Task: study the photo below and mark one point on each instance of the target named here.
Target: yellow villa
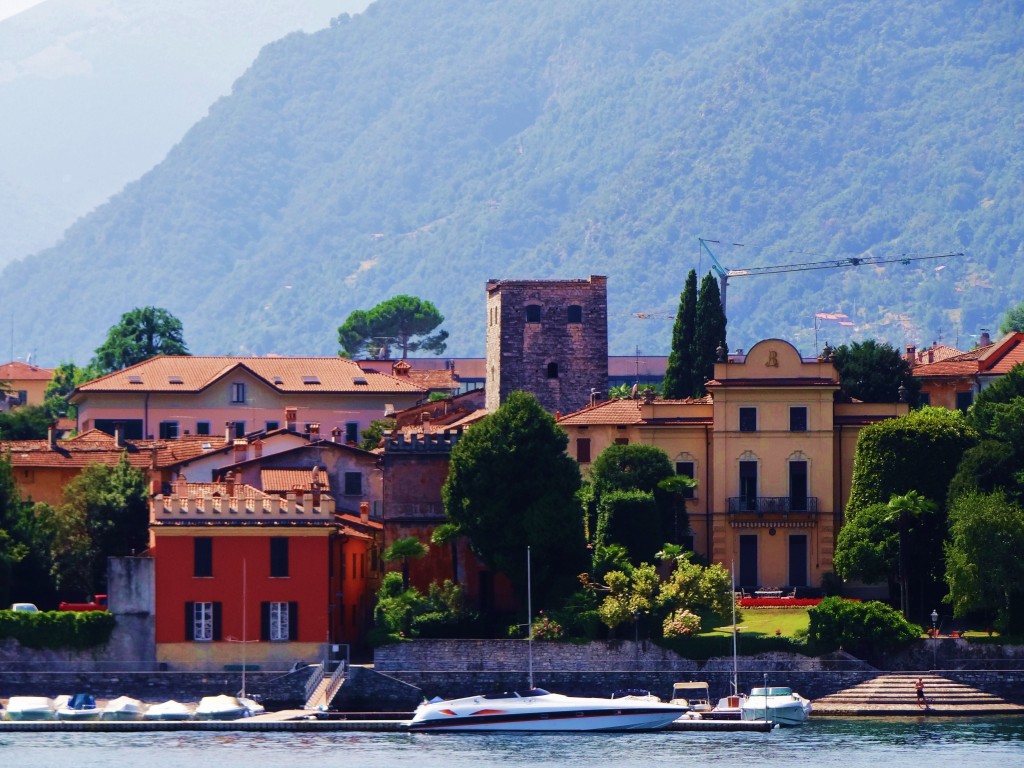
(771, 448)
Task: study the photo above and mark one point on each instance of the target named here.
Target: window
(202, 622)
(583, 450)
(131, 429)
(279, 621)
(239, 429)
(238, 392)
(202, 427)
(798, 418)
(168, 430)
(352, 432)
(622, 441)
(533, 313)
(924, 398)
(278, 557)
(574, 314)
(272, 425)
(687, 469)
(748, 419)
(798, 486)
(353, 484)
(202, 550)
(748, 485)
(964, 400)
(552, 370)
(312, 379)
(22, 397)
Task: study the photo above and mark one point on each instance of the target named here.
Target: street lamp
(935, 637)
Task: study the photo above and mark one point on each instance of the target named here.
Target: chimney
(257, 448)
(229, 481)
(119, 434)
(241, 450)
(594, 397)
(911, 356)
(180, 486)
(314, 431)
(364, 511)
(931, 355)
(984, 340)
(51, 435)
(336, 435)
(229, 431)
(291, 415)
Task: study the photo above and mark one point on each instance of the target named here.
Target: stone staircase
(895, 695)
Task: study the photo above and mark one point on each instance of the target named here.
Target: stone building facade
(549, 338)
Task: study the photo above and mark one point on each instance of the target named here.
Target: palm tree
(405, 550)
(906, 509)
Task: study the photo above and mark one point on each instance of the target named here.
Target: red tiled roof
(18, 371)
(627, 412)
(285, 374)
(946, 368)
(95, 447)
(284, 480)
(1006, 353)
(773, 383)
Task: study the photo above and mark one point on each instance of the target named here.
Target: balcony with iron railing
(773, 505)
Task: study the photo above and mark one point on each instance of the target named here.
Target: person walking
(919, 688)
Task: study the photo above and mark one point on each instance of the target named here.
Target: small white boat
(776, 704)
(539, 710)
(254, 707)
(168, 710)
(30, 708)
(222, 707)
(123, 708)
(696, 697)
(81, 706)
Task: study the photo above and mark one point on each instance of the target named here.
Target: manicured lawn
(765, 621)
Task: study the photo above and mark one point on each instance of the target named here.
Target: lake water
(851, 743)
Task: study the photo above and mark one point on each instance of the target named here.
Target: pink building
(171, 396)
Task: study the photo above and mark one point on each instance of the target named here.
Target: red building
(243, 576)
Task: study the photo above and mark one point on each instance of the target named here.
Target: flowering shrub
(680, 624)
(546, 628)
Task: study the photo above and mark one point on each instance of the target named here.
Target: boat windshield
(771, 692)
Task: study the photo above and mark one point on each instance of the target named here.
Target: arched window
(574, 314)
(533, 313)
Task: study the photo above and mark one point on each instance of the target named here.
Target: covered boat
(123, 708)
(30, 708)
(538, 710)
(81, 706)
(776, 704)
(222, 707)
(168, 710)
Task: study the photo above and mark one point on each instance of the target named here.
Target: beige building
(771, 448)
(26, 384)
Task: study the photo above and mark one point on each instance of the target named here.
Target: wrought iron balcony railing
(773, 505)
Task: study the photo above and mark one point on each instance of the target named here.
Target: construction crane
(852, 261)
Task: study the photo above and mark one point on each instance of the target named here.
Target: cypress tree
(678, 381)
(708, 333)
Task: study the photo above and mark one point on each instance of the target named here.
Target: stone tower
(549, 338)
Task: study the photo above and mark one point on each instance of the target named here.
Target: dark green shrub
(57, 629)
(868, 630)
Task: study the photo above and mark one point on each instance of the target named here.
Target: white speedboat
(538, 710)
(222, 707)
(168, 710)
(30, 708)
(123, 708)
(81, 706)
(777, 705)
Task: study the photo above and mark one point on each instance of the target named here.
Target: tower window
(552, 370)
(533, 313)
(574, 313)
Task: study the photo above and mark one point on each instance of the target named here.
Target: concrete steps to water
(895, 695)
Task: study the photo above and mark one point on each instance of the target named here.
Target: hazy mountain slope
(423, 147)
(94, 93)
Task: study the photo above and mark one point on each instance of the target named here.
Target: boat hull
(547, 712)
(791, 711)
(30, 708)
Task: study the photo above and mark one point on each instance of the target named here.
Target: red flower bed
(783, 602)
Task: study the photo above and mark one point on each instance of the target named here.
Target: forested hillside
(423, 147)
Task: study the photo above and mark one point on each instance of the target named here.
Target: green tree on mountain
(1014, 319)
(679, 374)
(140, 334)
(395, 322)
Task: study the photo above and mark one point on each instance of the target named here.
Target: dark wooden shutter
(190, 621)
(264, 621)
(293, 621)
(216, 621)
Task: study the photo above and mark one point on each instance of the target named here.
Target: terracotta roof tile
(946, 368)
(1007, 352)
(284, 480)
(95, 447)
(627, 412)
(285, 374)
(18, 371)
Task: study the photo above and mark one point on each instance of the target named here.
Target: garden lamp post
(935, 637)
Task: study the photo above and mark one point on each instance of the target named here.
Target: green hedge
(57, 629)
(704, 647)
